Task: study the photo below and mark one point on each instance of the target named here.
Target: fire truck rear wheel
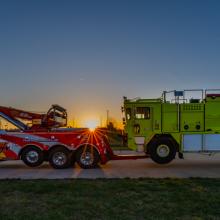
(32, 156)
(60, 158)
(87, 157)
(162, 151)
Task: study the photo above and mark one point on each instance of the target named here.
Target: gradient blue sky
(86, 55)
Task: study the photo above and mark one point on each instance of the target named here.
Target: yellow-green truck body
(190, 125)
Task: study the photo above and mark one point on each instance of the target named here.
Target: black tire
(162, 151)
(92, 159)
(32, 156)
(60, 158)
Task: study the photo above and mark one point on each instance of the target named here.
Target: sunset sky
(87, 55)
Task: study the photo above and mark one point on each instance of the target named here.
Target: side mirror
(124, 121)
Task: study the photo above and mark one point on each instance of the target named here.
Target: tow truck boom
(55, 117)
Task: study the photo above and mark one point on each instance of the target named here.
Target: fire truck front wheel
(162, 151)
(87, 157)
(32, 156)
(60, 158)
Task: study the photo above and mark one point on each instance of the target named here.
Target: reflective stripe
(29, 137)
(34, 138)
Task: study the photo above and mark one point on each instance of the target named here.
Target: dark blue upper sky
(86, 55)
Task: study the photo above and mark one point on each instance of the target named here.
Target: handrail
(177, 99)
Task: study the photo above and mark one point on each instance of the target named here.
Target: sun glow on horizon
(92, 124)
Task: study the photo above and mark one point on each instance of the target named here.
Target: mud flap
(2, 156)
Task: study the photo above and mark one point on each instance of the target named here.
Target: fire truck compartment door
(201, 142)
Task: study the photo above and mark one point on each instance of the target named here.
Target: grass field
(110, 199)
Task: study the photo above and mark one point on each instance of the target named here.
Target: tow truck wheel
(87, 157)
(60, 158)
(32, 156)
(162, 151)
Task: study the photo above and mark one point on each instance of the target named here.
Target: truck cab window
(128, 113)
(142, 113)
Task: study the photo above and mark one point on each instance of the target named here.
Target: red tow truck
(45, 137)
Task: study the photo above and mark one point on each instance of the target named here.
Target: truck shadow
(98, 172)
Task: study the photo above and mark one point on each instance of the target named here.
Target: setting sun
(91, 124)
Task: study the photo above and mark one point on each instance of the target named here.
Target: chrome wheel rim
(163, 150)
(59, 158)
(86, 159)
(32, 156)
